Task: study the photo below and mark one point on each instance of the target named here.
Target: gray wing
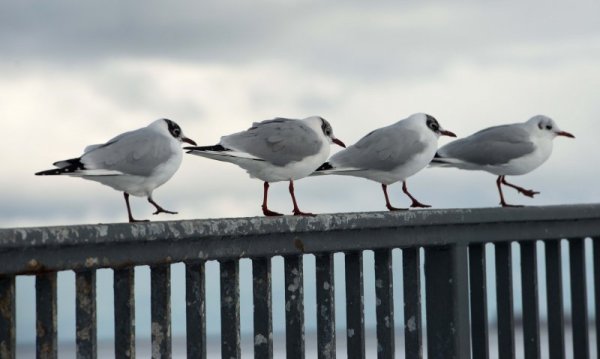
(492, 146)
(278, 141)
(383, 149)
(137, 153)
(116, 138)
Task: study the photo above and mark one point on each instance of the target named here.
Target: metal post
(7, 317)
(413, 327)
(479, 317)
(45, 289)
(446, 283)
(124, 299)
(160, 278)
(325, 306)
(230, 309)
(195, 309)
(263, 317)
(355, 321)
(384, 293)
(87, 345)
(294, 307)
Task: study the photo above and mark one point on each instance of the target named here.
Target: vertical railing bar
(160, 293)
(554, 297)
(596, 257)
(8, 324)
(263, 317)
(478, 290)
(579, 312)
(531, 316)
(325, 283)
(504, 298)
(230, 309)
(45, 288)
(124, 299)
(195, 304)
(294, 307)
(86, 333)
(447, 302)
(411, 276)
(355, 323)
(384, 306)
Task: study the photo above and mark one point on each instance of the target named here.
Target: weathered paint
(326, 306)
(294, 306)
(195, 309)
(230, 309)
(46, 341)
(86, 336)
(43, 251)
(7, 317)
(35, 250)
(124, 304)
(160, 287)
(263, 317)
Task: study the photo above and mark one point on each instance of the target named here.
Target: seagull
(275, 150)
(135, 162)
(506, 150)
(390, 154)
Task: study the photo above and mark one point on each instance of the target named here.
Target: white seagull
(390, 154)
(135, 162)
(276, 150)
(506, 150)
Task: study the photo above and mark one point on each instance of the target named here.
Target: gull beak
(338, 142)
(565, 133)
(447, 133)
(187, 140)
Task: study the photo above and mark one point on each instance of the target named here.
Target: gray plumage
(134, 153)
(492, 146)
(383, 149)
(278, 141)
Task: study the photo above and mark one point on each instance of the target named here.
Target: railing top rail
(110, 245)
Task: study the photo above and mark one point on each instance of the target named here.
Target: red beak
(338, 142)
(447, 133)
(565, 133)
(191, 142)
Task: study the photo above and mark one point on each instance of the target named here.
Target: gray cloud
(357, 39)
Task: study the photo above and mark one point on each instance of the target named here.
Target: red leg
(526, 192)
(265, 209)
(297, 211)
(503, 203)
(415, 203)
(159, 209)
(131, 219)
(387, 200)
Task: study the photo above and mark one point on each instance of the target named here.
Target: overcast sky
(76, 73)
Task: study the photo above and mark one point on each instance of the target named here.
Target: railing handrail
(35, 249)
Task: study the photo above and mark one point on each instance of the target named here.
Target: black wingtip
(325, 166)
(216, 148)
(64, 167)
(55, 171)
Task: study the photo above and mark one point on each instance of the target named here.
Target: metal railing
(453, 242)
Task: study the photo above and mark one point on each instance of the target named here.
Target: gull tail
(220, 153)
(215, 148)
(439, 161)
(323, 169)
(64, 168)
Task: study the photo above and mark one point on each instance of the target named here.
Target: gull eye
(176, 132)
(548, 127)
